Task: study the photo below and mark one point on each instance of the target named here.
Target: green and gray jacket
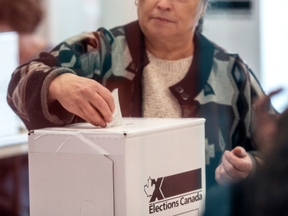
(219, 86)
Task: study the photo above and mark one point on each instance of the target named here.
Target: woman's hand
(236, 165)
(84, 97)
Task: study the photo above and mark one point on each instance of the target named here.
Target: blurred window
(8, 61)
(274, 46)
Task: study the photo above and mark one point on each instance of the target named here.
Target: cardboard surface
(145, 167)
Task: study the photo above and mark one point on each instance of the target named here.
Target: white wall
(118, 12)
(274, 44)
(66, 18)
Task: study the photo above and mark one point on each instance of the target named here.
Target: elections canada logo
(173, 191)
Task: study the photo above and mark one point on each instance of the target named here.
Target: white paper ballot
(117, 115)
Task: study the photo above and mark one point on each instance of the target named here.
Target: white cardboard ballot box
(145, 167)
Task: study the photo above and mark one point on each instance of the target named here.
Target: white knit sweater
(158, 76)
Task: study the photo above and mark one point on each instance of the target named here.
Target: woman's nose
(164, 5)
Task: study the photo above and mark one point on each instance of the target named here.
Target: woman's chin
(159, 33)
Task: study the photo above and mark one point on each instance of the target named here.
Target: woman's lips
(162, 20)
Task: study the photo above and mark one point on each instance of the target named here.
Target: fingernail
(110, 119)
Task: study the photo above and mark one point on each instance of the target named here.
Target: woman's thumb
(239, 152)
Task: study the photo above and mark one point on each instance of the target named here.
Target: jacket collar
(199, 71)
(136, 44)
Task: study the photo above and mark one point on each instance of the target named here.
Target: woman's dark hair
(23, 16)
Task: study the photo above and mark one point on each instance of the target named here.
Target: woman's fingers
(107, 96)
(236, 165)
(81, 114)
(92, 117)
(101, 105)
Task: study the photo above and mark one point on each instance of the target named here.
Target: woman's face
(164, 19)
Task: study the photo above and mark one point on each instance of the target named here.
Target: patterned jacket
(219, 86)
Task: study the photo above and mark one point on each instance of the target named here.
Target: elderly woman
(163, 67)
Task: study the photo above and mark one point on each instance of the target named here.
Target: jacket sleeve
(28, 88)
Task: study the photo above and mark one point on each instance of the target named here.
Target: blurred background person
(266, 192)
(23, 17)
